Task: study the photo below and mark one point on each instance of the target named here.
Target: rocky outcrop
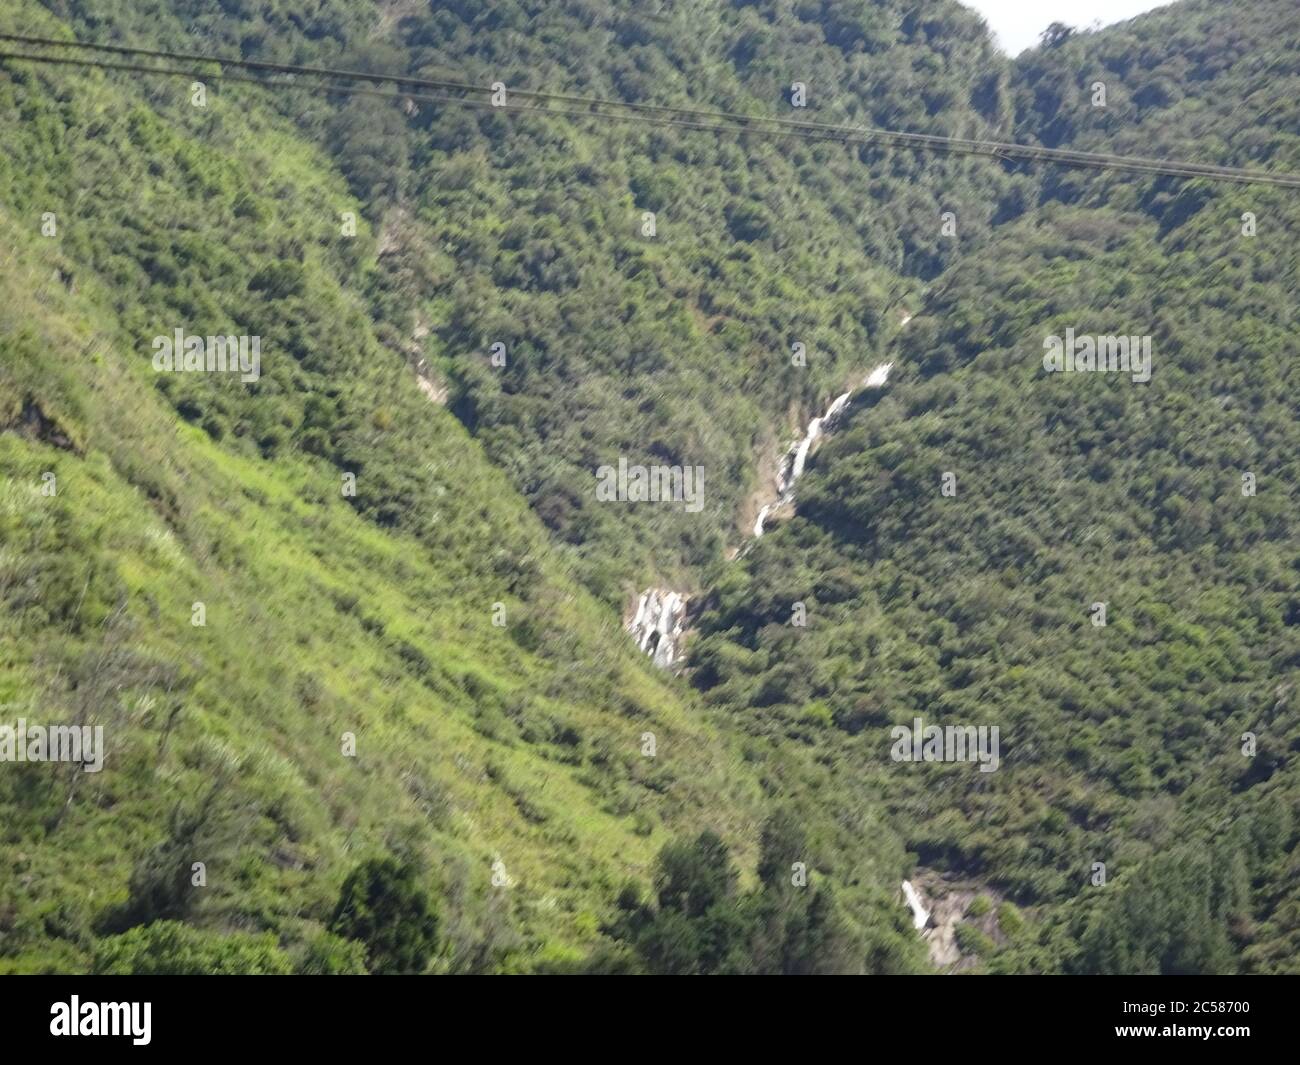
(939, 905)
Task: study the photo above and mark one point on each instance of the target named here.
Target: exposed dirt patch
(435, 392)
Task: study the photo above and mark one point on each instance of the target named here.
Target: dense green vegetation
(699, 923)
(383, 906)
(1120, 744)
(528, 232)
(504, 763)
(500, 812)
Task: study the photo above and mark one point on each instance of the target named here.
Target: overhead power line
(344, 81)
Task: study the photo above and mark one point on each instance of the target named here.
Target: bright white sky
(1017, 23)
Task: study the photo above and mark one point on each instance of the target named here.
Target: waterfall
(796, 457)
(920, 918)
(658, 624)
(659, 621)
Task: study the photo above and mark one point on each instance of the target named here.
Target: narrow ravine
(658, 625)
(792, 465)
(659, 621)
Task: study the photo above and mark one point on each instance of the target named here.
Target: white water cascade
(793, 463)
(658, 624)
(920, 917)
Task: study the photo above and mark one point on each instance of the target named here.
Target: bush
(972, 941)
(170, 948)
(382, 905)
(331, 955)
(1010, 921)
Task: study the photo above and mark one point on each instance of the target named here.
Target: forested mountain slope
(1173, 502)
(531, 795)
(196, 577)
(528, 232)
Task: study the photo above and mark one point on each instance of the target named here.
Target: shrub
(383, 906)
(170, 948)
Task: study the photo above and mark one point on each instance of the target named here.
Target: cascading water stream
(792, 465)
(658, 624)
(660, 618)
(920, 916)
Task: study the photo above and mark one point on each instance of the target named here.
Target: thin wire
(689, 118)
(977, 147)
(692, 113)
